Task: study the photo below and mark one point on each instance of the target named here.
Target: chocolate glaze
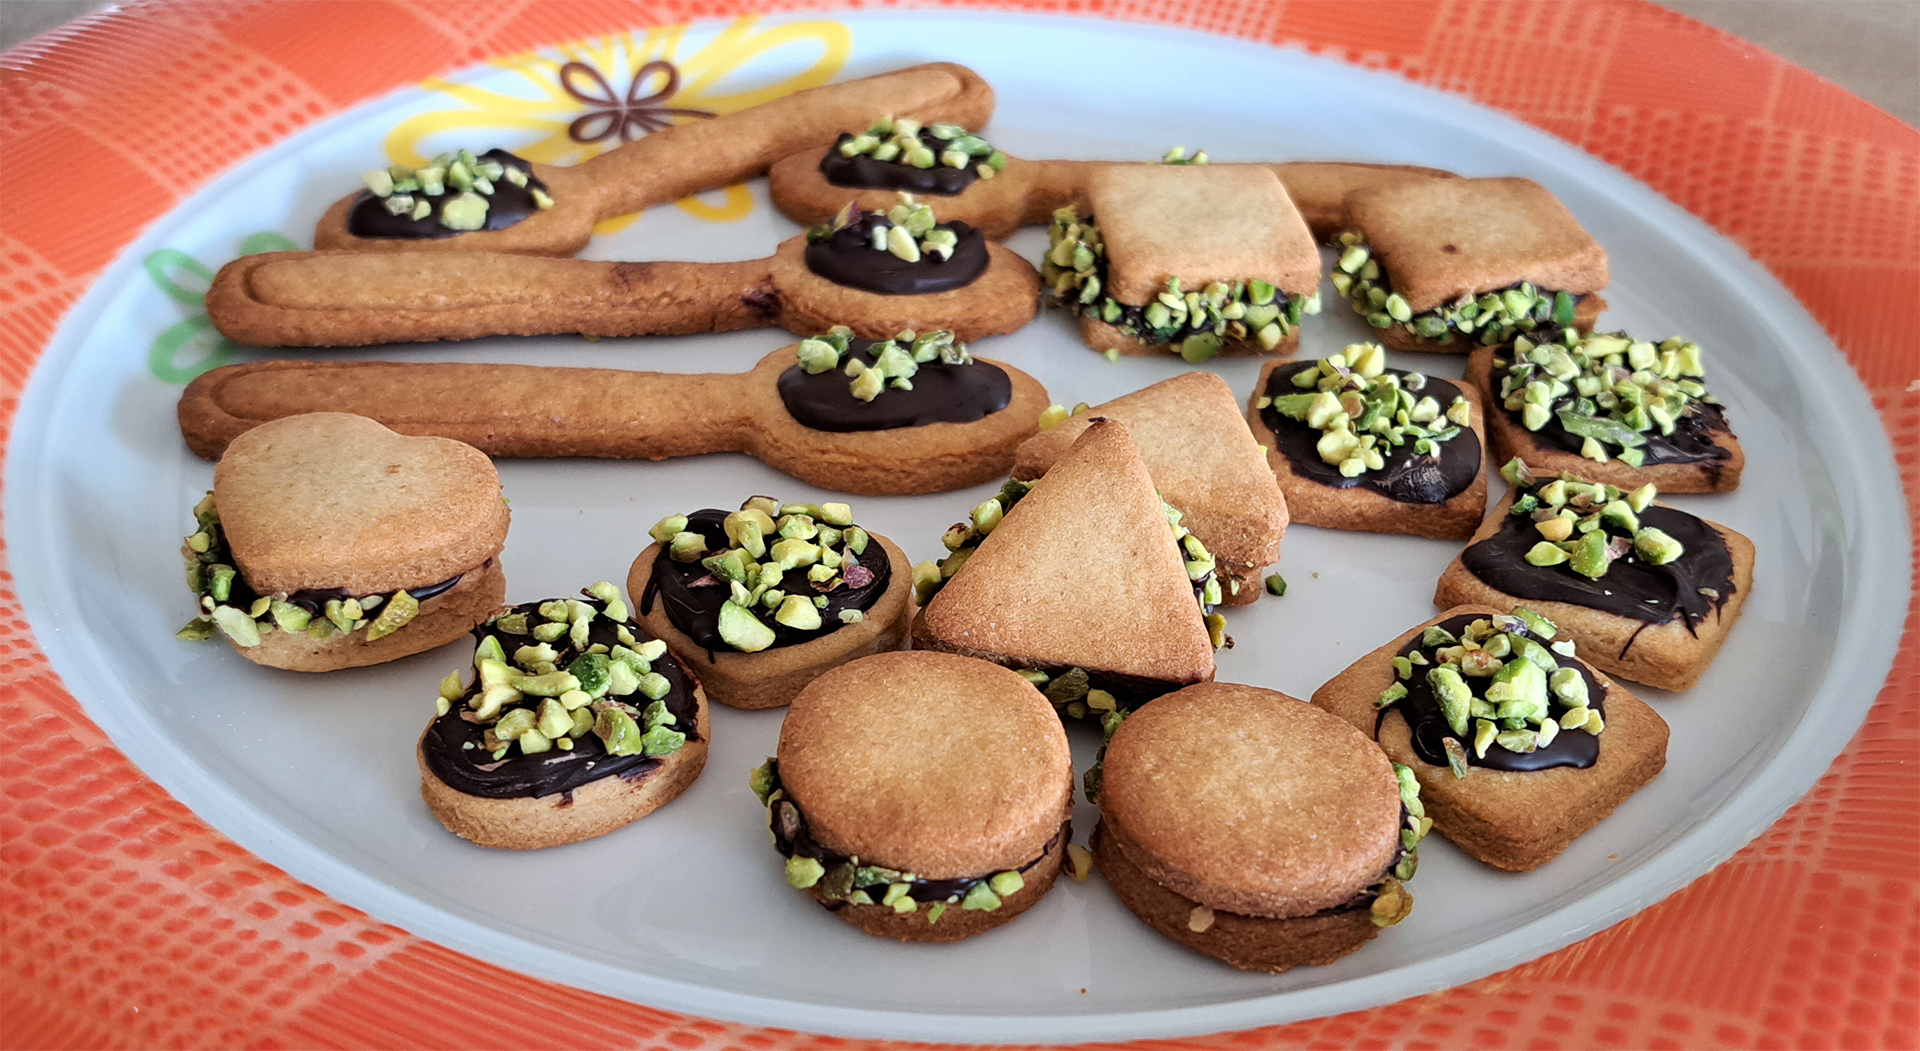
(1630, 588)
(863, 172)
(507, 205)
(1692, 440)
(695, 611)
(791, 838)
(313, 600)
(941, 393)
(848, 258)
(1428, 724)
(1408, 477)
(475, 772)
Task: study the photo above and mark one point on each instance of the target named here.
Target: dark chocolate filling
(864, 172)
(791, 838)
(507, 205)
(1692, 440)
(1428, 724)
(453, 750)
(941, 393)
(1630, 587)
(848, 258)
(695, 610)
(313, 600)
(1408, 477)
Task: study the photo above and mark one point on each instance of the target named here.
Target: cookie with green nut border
(919, 796)
(1649, 591)
(762, 600)
(1447, 265)
(1195, 260)
(1514, 791)
(1254, 828)
(570, 723)
(1356, 445)
(1609, 408)
(329, 541)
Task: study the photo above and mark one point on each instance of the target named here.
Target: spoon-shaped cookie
(664, 166)
(957, 426)
(971, 181)
(870, 274)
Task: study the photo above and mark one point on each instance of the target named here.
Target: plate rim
(1873, 515)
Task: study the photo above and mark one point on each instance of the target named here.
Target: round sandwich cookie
(1254, 827)
(761, 600)
(575, 723)
(904, 827)
(329, 541)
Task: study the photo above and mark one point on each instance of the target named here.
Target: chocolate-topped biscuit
(1085, 581)
(1196, 260)
(1648, 590)
(1253, 827)
(904, 827)
(1609, 408)
(1519, 746)
(575, 723)
(1357, 445)
(1204, 462)
(330, 542)
(761, 600)
(904, 251)
(1451, 264)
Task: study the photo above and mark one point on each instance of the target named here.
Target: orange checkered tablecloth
(128, 922)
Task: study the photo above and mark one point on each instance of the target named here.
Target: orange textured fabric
(128, 922)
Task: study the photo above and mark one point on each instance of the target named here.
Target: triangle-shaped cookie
(1203, 459)
(1083, 572)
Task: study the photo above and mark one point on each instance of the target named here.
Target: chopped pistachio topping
(461, 179)
(1488, 318)
(1363, 411)
(1605, 388)
(910, 231)
(767, 541)
(898, 140)
(1587, 525)
(548, 695)
(896, 361)
(1194, 324)
(1179, 155)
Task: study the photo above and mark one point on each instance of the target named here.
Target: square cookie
(1511, 800)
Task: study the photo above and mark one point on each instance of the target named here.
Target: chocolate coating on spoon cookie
(849, 258)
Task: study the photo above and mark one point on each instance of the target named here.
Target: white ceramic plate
(687, 910)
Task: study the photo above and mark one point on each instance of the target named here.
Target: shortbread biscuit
(1204, 461)
(1319, 188)
(901, 826)
(774, 651)
(685, 158)
(549, 411)
(494, 768)
(1667, 644)
(1253, 827)
(1441, 493)
(329, 541)
(1521, 812)
(1700, 456)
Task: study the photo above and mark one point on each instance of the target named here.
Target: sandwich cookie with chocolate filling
(329, 541)
(1519, 746)
(1447, 265)
(1254, 827)
(903, 827)
(997, 193)
(1190, 260)
(497, 202)
(1204, 461)
(877, 273)
(575, 723)
(1611, 409)
(915, 413)
(1357, 445)
(1085, 581)
(1649, 591)
(759, 602)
